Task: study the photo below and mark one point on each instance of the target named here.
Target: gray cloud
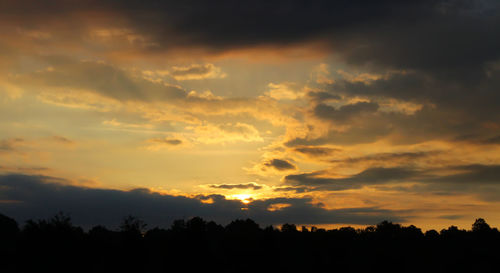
(323, 96)
(480, 180)
(492, 140)
(167, 141)
(291, 189)
(9, 145)
(252, 186)
(345, 112)
(197, 72)
(102, 78)
(371, 176)
(387, 158)
(446, 51)
(429, 34)
(472, 175)
(443, 101)
(316, 151)
(280, 164)
(25, 196)
(369, 130)
(62, 140)
(451, 217)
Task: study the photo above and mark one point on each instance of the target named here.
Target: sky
(309, 112)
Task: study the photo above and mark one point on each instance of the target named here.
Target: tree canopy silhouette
(56, 245)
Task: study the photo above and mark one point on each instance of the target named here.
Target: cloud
(492, 140)
(115, 123)
(372, 176)
(161, 143)
(169, 141)
(316, 151)
(99, 86)
(280, 164)
(345, 112)
(426, 31)
(100, 78)
(283, 91)
(322, 96)
(451, 217)
(475, 174)
(197, 72)
(424, 34)
(387, 158)
(482, 181)
(226, 132)
(42, 197)
(62, 140)
(252, 186)
(10, 144)
(291, 189)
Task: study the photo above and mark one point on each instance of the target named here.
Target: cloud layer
(341, 102)
(25, 196)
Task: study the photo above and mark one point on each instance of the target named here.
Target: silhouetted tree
(431, 234)
(196, 225)
(288, 228)
(480, 226)
(247, 226)
(8, 227)
(132, 225)
(178, 226)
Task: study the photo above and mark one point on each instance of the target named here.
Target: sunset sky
(309, 112)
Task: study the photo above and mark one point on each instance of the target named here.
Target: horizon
(132, 223)
(319, 113)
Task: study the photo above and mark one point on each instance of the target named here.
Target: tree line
(196, 245)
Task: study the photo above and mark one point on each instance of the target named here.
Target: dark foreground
(55, 245)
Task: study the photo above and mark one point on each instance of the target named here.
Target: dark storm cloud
(429, 34)
(252, 186)
(24, 197)
(280, 164)
(419, 34)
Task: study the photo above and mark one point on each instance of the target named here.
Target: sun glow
(243, 197)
